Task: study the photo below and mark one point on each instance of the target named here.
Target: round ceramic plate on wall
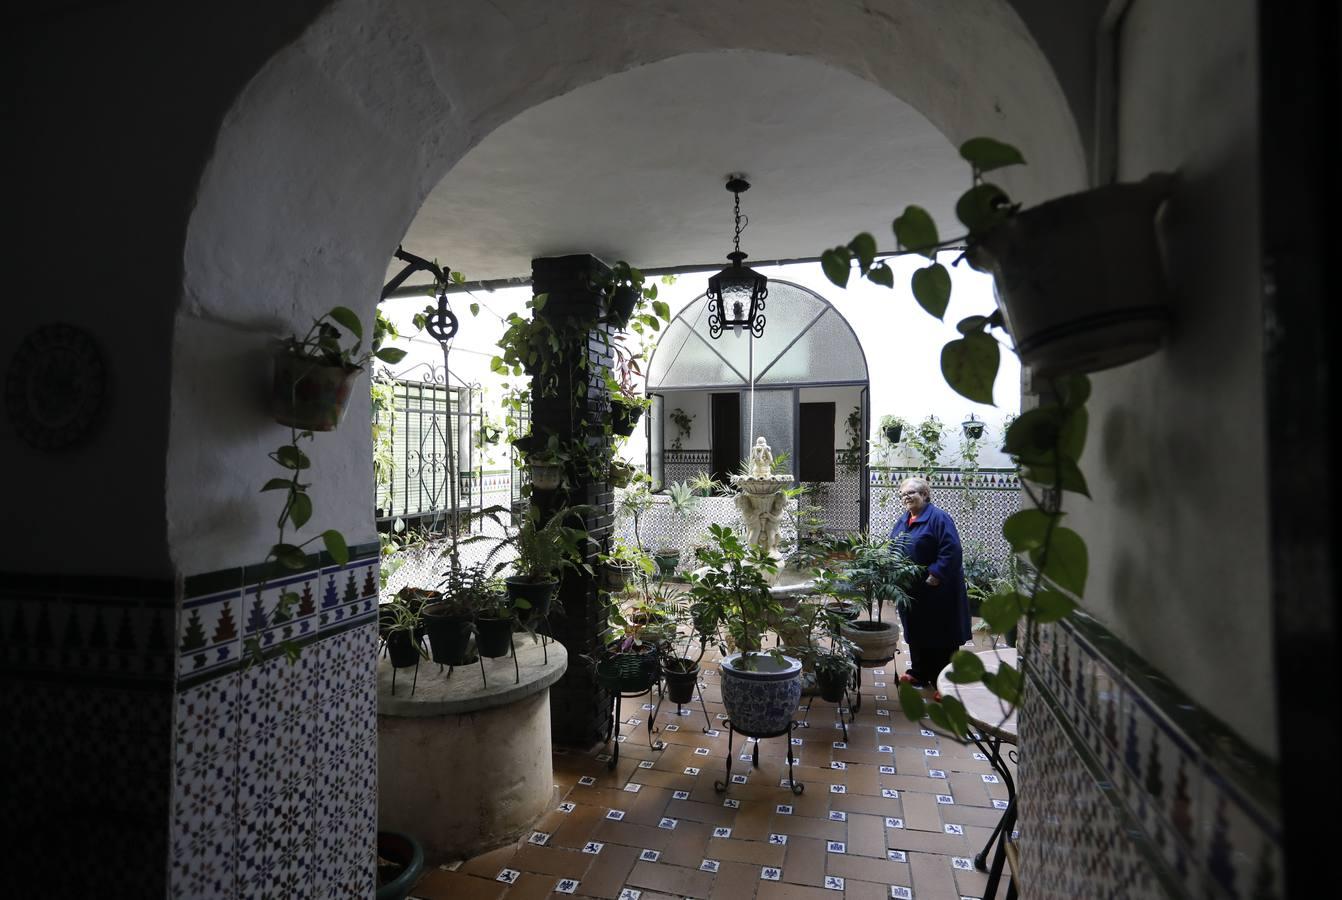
(56, 387)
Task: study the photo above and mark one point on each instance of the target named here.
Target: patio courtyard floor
(899, 810)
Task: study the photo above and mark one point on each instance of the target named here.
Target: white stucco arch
(328, 152)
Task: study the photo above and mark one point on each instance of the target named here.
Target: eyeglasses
(910, 493)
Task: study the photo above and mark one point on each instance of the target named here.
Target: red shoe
(907, 678)
(936, 696)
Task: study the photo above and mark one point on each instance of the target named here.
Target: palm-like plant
(881, 571)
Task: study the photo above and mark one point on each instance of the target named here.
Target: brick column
(579, 707)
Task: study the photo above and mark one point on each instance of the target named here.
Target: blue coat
(938, 616)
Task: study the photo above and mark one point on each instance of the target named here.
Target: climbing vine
(1046, 442)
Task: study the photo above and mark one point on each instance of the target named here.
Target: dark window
(726, 435)
(815, 458)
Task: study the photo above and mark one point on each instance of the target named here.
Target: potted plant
(624, 563)
(879, 572)
(629, 661)
(759, 688)
(400, 861)
(450, 619)
(314, 375)
(404, 622)
(972, 427)
(494, 622)
(704, 485)
(681, 499)
(544, 548)
(626, 404)
(892, 428)
(684, 423)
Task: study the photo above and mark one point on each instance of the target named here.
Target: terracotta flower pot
(306, 394)
(1079, 279)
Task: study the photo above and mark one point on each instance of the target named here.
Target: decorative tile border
(1163, 785)
(223, 610)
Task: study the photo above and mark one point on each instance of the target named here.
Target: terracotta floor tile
(609, 872)
(865, 804)
(487, 865)
(931, 842)
(689, 844)
(866, 835)
(760, 853)
(577, 827)
(921, 811)
(865, 890)
(440, 884)
(864, 868)
(531, 887)
(909, 761)
(979, 816)
(677, 880)
(631, 835)
(736, 881)
(554, 861)
(711, 813)
(933, 875)
(781, 890)
(804, 862)
(805, 826)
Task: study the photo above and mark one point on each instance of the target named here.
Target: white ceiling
(633, 167)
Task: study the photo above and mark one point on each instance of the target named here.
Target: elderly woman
(936, 623)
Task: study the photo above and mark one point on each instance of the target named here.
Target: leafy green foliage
(733, 592)
(1051, 565)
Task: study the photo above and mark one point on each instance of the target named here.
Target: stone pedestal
(465, 768)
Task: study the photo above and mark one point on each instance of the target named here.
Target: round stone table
(462, 767)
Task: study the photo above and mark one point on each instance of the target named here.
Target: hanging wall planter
(624, 418)
(546, 476)
(308, 394)
(893, 433)
(973, 428)
(622, 302)
(1079, 279)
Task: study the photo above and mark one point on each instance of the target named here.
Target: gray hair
(919, 484)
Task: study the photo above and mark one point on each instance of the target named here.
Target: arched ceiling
(633, 166)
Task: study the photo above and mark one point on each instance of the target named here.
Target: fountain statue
(761, 500)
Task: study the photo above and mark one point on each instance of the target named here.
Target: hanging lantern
(736, 294)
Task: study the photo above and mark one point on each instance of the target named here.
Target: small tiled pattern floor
(897, 811)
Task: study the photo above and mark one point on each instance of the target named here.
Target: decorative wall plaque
(56, 387)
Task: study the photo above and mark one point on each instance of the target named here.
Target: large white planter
(1079, 279)
(760, 701)
(876, 641)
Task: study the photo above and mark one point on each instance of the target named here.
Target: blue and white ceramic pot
(760, 694)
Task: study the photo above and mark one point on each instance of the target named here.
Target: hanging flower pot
(309, 394)
(973, 428)
(1079, 279)
(893, 433)
(546, 476)
(622, 302)
(624, 418)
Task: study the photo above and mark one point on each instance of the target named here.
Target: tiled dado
(223, 610)
(1129, 789)
(86, 671)
(275, 764)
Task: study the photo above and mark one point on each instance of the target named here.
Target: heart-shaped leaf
(390, 355)
(1026, 529)
(881, 274)
(335, 545)
(346, 317)
(1050, 606)
(835, 263)
(1067, 563)
(911, 702)
(300, 509)
(916, 231)
(981, 207)
(932, 289)
(864, 248)
(986, 154)
(289, 556)
(969, 366)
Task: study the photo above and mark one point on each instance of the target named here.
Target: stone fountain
(761, 500)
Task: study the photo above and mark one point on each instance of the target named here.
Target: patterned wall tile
(1116, 799)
